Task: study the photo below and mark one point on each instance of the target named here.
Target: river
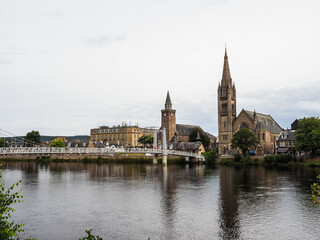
(128, 201)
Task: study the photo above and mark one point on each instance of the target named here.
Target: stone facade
(124, 135)
(263, 125)
(168, 119)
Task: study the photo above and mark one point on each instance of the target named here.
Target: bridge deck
(91, 151)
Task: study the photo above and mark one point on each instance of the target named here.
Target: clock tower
(168, 118)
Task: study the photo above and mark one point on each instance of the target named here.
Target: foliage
(32, 138)
(315, 198)
(146, 139)
(57, 143)
(8, 229)
(90, 236)
(211, 156)
(244, 139)
(308, 135)
(237, 157)
(3, 143)
(275, 159)
(204, 137)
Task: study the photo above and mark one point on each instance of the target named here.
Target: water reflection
(167, 202)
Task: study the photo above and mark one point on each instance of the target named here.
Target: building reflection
(229, 206)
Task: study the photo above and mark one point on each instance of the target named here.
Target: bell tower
(227, 108)
(168, 118)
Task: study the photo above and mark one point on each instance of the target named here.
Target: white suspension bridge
(82, 151)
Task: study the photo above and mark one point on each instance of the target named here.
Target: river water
(127, 201)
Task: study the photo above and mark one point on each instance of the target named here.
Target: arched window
(243, 125)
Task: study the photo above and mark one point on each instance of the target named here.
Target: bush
(210, 157)
(275, 159)
(8, 229)
(90, 236)
(237, 157)
(246, 160)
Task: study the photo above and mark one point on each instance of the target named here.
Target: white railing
(91, 151)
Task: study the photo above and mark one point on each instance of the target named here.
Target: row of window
(286, 144)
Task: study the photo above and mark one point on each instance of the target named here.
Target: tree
(204, 137)
(57, 143)
(308, 135)
(8, 229)
(244, 139)
(3, 143)
(32, 138)
(145, 139)
(211, 156)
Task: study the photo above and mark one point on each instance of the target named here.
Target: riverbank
(143, 159)
(262, 161)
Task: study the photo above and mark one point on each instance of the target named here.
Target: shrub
(211, 156)
(8, 229)
(237, 157)
(90, 236)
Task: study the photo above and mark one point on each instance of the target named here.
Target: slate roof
(185, 130)
(287, 135)
(185, 146)
(265, 122)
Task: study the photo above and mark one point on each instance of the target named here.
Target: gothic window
(225, 137)
(224, 93)
(224, 125)
(233, 110)
(258, 136)
(244, 125)
(263, 136)
(224, 108)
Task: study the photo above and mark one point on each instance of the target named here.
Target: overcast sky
(67, 66)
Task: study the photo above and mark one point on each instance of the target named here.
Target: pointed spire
(226, 77)
(168, 103)
(198, 137)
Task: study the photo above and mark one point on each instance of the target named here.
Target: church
(264, 126)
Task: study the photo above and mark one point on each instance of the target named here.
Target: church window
(224, 107)
(263, 136)
(233, 109)
(258, 136)
(225, 137)
(243, 125)
(224, 125)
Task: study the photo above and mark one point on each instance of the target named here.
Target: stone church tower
(168, 118)
(227, 110)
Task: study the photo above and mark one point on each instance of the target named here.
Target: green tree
(244, 139)
(57, 143)
(8, 229)
(32, 138)
(315, 198)
(204, 137)
(3, 143)
(308, 135)
(210, 156)
(146, 140)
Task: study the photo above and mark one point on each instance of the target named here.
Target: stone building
(263, 125)
(123, 135)
(177, 132)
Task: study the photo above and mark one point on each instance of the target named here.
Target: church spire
(168, 104)
(226, 77)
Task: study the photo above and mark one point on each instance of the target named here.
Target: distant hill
(69, 138)
(50, 138)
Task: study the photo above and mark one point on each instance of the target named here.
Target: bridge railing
(98, 151)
